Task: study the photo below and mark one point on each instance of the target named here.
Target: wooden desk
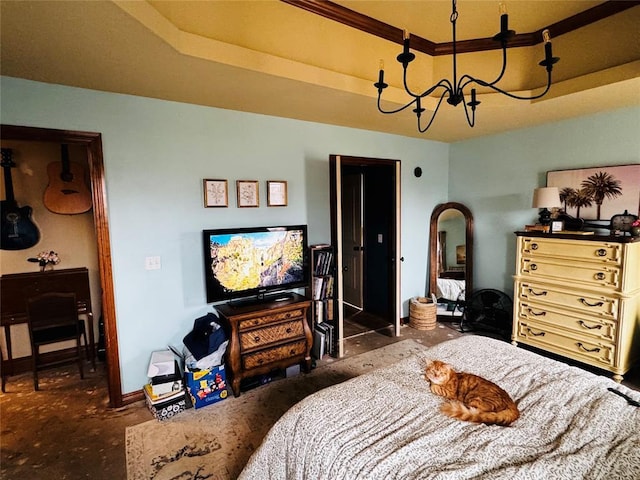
(17, 287)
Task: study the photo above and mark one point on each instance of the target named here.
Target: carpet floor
(216, 441)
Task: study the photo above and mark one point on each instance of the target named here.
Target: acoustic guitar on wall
(67, 192)
(18, 231)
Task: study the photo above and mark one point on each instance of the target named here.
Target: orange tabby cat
(472, 398)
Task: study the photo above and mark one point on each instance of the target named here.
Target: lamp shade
(546, 197)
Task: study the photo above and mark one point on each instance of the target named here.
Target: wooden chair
(53, 317)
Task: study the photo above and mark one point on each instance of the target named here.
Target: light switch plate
(152, 263)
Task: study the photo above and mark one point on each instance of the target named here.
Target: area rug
(216, 441)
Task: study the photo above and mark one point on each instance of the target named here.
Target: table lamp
(545, 198)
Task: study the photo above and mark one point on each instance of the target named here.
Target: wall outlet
(379, 238)
(152, 263)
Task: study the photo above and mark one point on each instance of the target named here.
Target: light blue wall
(156, 154)
(495, 176)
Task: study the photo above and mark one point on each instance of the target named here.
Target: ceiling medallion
(455, 91)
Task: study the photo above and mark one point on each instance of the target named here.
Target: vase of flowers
(46, 260)
(635, 228)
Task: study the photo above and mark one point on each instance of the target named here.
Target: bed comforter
(386, 425)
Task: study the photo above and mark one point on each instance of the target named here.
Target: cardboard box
(164, 410)
(206, 386)
(165, 387)
(162, 363)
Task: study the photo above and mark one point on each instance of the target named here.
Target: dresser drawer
(271, 318)
(600, 276)
(583, 302)
(275, 333)
(596, 328)
(566, 343)
(264, 357)
(600, 252)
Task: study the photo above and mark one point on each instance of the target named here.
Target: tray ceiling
(273, 58)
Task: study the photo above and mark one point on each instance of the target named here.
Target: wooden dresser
(579, 296)
(265, 337)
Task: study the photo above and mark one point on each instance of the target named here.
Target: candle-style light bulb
(504, 18)
(381, 72)
(546, 36)
(405, 38)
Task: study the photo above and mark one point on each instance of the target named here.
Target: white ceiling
(272, 58)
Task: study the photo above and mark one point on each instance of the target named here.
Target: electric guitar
(18, 231)
(67, 192)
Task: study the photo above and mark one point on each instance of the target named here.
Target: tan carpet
(216, 441)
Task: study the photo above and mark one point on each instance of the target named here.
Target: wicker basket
(422, 313)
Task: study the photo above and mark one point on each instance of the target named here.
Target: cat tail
(460, 411)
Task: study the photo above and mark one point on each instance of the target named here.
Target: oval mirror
(451, 252)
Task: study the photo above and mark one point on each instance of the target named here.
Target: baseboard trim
(132, 397)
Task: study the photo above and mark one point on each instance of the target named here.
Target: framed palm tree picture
(597, 194)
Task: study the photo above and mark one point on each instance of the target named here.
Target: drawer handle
(534, 266)
(590, 350)
(539, 314)
(584, 302)
(288, 330)
(531, 332)
(256, 338)
(534, 246)
(292, 352)
(600, 276)
(595, 327)
(533, 292)
(601, 252)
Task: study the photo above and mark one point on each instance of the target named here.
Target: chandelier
(455, 91)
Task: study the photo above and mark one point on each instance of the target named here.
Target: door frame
(93, 143)
(336, 162)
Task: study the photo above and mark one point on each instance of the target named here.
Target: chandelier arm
(398, 109)
(511, 95)
(466, 80)
(443, 83)
(504, 66)
(433, 116)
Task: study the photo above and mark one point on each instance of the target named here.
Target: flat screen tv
(254, 262)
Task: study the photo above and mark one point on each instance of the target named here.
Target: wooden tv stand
(266, 336)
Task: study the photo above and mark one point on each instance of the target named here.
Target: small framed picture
(557, 226)
(247, 191)
(215, 193)
(276, 193)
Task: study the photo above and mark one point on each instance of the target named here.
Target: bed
(450, 289)
(386, 425)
